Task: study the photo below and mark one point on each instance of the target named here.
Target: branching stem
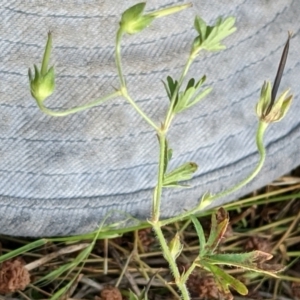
(78, 108)
(262, 126)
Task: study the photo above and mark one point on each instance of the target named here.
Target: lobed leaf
(192, 95)
(225, 280)
(253, 261)
(210, 37)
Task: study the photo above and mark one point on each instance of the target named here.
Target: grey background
(61, 176)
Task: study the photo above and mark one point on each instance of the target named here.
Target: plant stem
(123, 88)
(78, 108)
(208, 200)
(138, 109)
(162, 143)
(172, 263)
(158, 190)
(118, 57)
(188, 272)
(262, 126)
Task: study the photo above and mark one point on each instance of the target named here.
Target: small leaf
(191, 95)
(170, 86)
(175, 184)
(200, 97)
(221, 30)
(182, 173)
(200, 82)
(190, 84)
(210, 37)
(183, 100)
(144, 293)
(201, 27)
(224, 279)
(201, 236)
(253, 261)
(219, 223)
(132, 295)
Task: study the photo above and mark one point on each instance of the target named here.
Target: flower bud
(43, 83)
(133, 21)
(41, 86)
(175, 246)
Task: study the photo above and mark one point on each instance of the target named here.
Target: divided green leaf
(189, 97)
(210, 37)
(225, 280)
(253, 261)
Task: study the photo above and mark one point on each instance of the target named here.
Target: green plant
(208, 38)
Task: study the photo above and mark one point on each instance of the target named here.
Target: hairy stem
(172, 263)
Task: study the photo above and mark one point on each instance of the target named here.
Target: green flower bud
(132, 20)
(43, 83)
(269, 111)
(175, 246)
(41, 86)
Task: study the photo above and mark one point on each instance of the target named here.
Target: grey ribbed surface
(61, 176)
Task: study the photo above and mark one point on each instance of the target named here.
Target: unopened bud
(175, 246)
(42, 84)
